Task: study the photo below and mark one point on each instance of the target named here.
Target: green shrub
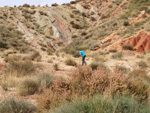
(4, 86)
(76, 12)
(112, 50)
(28, 87)
(73, 2)
(148, 11)
(35, 56)
(128, 47)
(135, 6)
(13, 106)
(76, 26)
(45, 80)
(26, 5)
(106, 44)
(56, 67)
(147, 28)
(93, 19)
(139, 23)
(3, 45)
(94, 65)
(126, 23)
(12, 58)
(116, 55)
(122, 69)
(75, 54)
(70, 62)
(50, 51)
(142, 64)
(115, 24)
(71, 15)
(50, 61)
(86, 6)
(117, 2)
(43, 13)
(55, 4)
(99, 59)
(110, 6)
(11, 38)
(101, 104)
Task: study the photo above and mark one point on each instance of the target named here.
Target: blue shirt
(82, 53)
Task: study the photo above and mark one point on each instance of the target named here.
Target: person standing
(83, 57)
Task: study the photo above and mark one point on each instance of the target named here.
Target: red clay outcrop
(140, 42)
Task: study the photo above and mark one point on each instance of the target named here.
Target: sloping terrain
(46, 28)
(39, 56)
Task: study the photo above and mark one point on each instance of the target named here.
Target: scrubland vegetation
(90, 89)
(40, 70)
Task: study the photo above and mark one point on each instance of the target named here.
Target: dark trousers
(83, 60)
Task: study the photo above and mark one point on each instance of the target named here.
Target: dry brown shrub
(99, 80)
(20, 68)
(118, 84)
(58, 92)
(85, 82)
(81, 80)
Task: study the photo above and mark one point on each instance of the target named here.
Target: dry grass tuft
(20, 68)
(142, 64)
(70, 62)
(45, 80)
(28, 87)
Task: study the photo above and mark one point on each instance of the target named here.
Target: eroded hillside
(88, 22)
(39, 62)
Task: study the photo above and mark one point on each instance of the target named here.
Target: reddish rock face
(141, 42)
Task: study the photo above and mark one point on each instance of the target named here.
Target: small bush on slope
(94, 65)
(12, 106)
(28, 87)
(101, 104)
(12, 58)
(139, 73)
(56, 67)
(142, 64)
(20, 68)
(139, 89)
(70, 62)
(116, 55)
(45, 80)
(128, 47)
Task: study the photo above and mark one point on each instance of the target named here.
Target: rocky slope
(79, 25)
(113, 33)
